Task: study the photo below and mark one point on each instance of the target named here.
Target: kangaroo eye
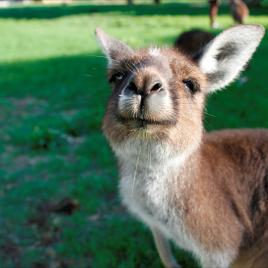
(191, 85)
(117, 77)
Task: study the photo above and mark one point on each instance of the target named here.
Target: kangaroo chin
(207, 192)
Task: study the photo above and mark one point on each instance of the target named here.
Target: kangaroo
(213, 12)
(206, 192)
(239, 11)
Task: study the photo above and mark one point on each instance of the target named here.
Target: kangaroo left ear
(227, 54)
(111, 47)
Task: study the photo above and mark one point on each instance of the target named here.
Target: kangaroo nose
(149, 89)
(156, 87)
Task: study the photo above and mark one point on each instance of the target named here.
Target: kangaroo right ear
(228, 53)
(111, 47)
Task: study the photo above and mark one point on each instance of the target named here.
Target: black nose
(150, 89)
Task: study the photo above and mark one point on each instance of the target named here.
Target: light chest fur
(148, 180)
(154, 189)
(147, 192)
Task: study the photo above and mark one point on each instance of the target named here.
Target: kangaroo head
(158, 94)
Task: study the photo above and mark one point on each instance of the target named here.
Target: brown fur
(213, 11)
(231, 187)
(239, 11)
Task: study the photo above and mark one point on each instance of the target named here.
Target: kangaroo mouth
(143, 122)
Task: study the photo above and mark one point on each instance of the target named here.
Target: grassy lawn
(59, 205)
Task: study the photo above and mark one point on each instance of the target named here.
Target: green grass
(52, 99)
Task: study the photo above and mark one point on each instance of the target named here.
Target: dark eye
(117, 77)
(191, 85)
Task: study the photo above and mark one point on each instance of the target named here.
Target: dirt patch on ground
(9, 249)
(28, 105)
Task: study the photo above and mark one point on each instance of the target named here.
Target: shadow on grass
(63, 84)
(54, 77)
(46, 12)
(184, 8)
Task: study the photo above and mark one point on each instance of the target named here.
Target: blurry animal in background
(213, 12)
(207, 192)
(193, 42)
(239, 11)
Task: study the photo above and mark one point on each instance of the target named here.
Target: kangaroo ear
(111, 47)
(227, 54)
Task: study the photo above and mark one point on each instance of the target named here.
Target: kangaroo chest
(152, 196)
(159, 195)
(155, 199)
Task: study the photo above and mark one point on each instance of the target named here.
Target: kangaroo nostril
(157, 87)
(132, 87)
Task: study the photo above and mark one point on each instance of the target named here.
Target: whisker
(135, 171)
